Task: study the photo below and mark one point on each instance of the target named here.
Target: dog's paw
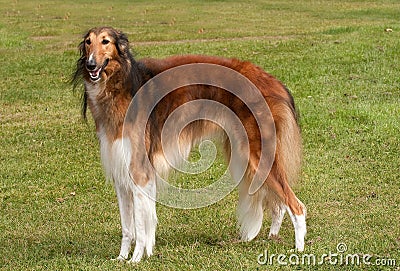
(137, 254)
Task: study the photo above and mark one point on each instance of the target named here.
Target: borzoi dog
(112, 78)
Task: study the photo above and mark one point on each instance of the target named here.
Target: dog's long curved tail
(276, 193)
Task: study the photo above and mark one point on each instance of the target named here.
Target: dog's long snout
(91, 64)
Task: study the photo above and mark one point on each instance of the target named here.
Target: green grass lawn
(57, 213)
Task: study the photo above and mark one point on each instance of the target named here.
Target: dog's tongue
(95, 74)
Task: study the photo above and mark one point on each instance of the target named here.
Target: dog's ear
(122, 43)
(81, 46)
(77, 76)
(81, 49)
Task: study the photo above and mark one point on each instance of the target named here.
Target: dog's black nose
(91, 64)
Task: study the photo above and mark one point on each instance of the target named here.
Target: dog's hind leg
(277, 213)
(125, 203)
(295, 208)
(145, 220)
(298, 217)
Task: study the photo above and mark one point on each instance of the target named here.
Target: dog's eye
(105, 42)
(88, 42)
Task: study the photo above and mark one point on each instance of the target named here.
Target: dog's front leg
(145, 220)
(125, 203)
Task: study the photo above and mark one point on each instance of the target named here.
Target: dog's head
(104, 51)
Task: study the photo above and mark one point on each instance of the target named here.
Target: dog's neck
(108, 102)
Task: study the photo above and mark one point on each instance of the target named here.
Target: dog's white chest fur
(115, 158)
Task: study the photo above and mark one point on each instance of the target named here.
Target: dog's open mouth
(95, 74)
